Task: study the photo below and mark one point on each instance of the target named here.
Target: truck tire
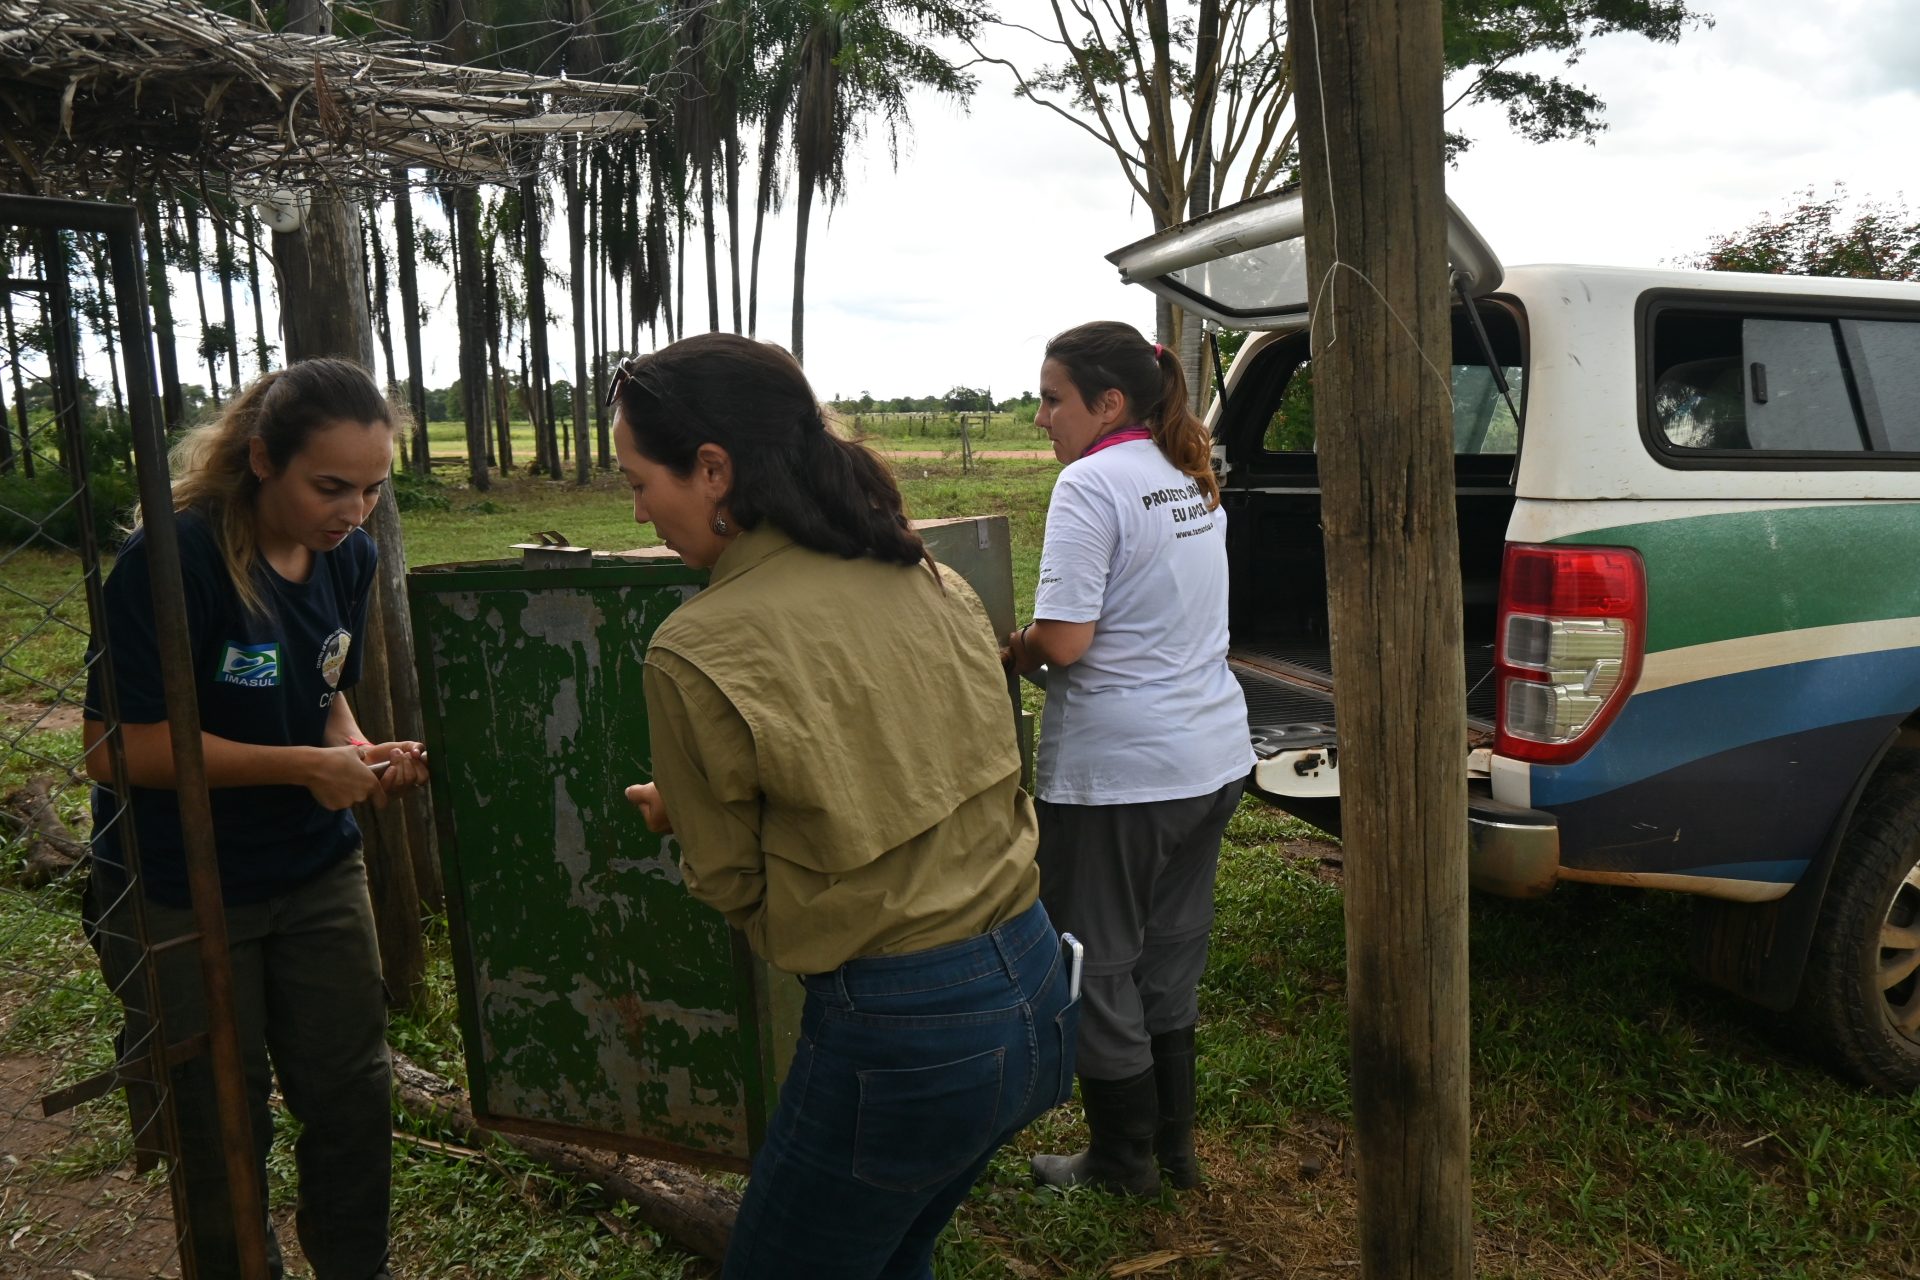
(1860, 996)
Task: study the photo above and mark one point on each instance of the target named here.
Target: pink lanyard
(1124, 435)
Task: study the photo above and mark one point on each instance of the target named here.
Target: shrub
(44, 505)
(413, 492)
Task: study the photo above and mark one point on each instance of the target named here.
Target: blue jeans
(910, 1073)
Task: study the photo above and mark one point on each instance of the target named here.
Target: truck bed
(1290, 694)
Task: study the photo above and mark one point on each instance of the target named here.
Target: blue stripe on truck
(1667, 728)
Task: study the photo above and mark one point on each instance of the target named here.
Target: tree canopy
(1815, 238)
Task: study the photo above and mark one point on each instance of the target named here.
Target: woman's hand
(1045, 642)
(340, 779)
(406, 764)
(1021, 655)
(645, 797)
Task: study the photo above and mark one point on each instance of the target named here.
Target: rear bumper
(1511, 851)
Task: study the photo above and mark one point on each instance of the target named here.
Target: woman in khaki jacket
(833, 749)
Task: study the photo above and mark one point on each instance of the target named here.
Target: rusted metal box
(599, 1002)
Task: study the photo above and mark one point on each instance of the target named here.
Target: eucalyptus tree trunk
(709, 231)
(502, 413)
(772, 124)
(19, 390)
(403, 227)
(382, 309)
(194, 261)
(173, 409)
(250, 229)
(323, 307)
(597, 305)
(546, 436)
(732, 144)
(680, 283)
(802, 216)
(473, 330)
(577, 242)
(103, 279)
(223, 266)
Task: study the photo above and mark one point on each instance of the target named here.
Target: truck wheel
(1861, 992)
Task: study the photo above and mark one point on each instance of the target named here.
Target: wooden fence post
(1372, 177)
(323, 303)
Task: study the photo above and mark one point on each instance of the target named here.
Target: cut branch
(670, 1198)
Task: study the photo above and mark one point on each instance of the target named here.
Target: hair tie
(1158, 351)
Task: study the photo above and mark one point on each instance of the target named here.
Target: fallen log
(672, 1199)
(53, 850)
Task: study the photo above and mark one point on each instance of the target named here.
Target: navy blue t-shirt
(263, 678)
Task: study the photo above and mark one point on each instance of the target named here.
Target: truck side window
(1885, 355)
(1724, 382)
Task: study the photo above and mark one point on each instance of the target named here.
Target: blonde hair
(213, 463)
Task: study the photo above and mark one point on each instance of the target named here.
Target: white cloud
(991, 235)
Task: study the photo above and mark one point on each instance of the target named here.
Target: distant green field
(885, 431)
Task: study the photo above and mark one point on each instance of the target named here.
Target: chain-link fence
(85, 1109)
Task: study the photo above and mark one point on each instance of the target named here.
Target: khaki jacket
(833, 742)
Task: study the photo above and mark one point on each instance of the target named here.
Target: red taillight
(1571, 632)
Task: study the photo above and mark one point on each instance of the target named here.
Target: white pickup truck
(1689, 519)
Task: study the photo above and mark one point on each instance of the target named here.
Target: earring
(720, 525)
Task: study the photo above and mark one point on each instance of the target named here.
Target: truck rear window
(1766, 383)
(1482, 421)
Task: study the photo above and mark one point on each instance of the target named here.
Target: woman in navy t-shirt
(277, 573)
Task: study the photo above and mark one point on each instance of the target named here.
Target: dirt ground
(38, 716)
(110, 1224)
(116, 1225)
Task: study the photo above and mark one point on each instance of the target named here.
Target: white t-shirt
(1150, 711)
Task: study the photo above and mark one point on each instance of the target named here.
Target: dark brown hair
(790, 468)
(1107, 355)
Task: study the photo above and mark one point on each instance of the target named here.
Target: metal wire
(79, 1191)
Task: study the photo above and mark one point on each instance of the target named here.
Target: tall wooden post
(1369, 95)
(323, 306)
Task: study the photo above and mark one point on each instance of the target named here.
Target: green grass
(43, 624)
(886, 431)
(1628, 1121)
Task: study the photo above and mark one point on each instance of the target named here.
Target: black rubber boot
(1121, 1115)
(1173, 1064)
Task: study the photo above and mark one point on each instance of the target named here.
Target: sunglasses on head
(623, 372)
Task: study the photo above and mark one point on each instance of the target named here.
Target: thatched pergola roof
(109, 96)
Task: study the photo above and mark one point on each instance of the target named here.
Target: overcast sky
(990, 235)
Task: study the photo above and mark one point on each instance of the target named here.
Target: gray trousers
(1134, 883)
(311, 1009)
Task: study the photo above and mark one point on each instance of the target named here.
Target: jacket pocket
(921, 1126)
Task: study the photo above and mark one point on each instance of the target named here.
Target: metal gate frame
(147, 1067)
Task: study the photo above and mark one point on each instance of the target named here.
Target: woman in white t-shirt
(1144, 746)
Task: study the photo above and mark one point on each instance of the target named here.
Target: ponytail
(854, 507)
(790, 468)
(1183, 439)
(1107, 355)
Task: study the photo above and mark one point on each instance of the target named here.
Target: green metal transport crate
(599, 1003)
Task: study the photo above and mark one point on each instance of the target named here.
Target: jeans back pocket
(921, 1126)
